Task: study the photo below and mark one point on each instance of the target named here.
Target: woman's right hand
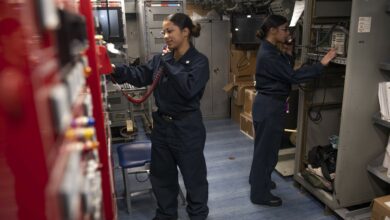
(328, 56)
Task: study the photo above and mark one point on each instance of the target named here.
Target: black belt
(274, 96)
(171, 117)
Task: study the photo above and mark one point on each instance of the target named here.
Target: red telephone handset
(156, 79)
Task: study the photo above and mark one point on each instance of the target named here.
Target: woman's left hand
(328, 56)
(288, 49)
(165, 50)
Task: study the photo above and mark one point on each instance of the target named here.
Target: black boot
(272, 201)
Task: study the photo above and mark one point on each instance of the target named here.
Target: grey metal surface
(156, 14)
(327, 198)
(201, 45)
(117, 101)
(220, 67)
(133, 36)
(156, 40)
(140, 12)
(385, 65)
(150, 17)
(376, 168)
(130, 6)
(319, 133)
(340, 8)
(214, 43)
(302, 117)
(360, 140)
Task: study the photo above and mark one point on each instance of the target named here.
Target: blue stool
(134, 158)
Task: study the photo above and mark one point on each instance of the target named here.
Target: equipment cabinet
(213, 42)
(356, 94)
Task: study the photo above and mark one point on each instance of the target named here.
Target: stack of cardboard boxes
(380, 208)
(246, 123)
(241, 87)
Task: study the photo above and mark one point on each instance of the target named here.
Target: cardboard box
(246, 125)
(239, 79)
(196, 8)
(243, 62)
(235, 111)
(381, 208)
(249, 97)
(237, 91)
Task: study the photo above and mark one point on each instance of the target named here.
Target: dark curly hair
(184, 21)
(272, 21)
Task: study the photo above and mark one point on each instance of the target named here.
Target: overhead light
(236, 29)
(298, 10)
(249, 16)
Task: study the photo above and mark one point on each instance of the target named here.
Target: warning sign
(364, 25)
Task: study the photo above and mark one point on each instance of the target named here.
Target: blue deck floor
(228, 156)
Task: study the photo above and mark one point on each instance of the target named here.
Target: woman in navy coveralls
(274, 76)
(178, 135)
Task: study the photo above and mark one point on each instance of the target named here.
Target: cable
(123, 132)
(337, 26)
(317, 118)
(156, 79)
(142, 181)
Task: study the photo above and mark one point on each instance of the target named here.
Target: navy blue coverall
(178, 135)
(274, 76)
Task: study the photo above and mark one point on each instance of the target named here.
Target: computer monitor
(109, 22)
(244, 28)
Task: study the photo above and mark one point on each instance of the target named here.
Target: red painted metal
(104, 63)
(31, 153)
(23, 161)
(94, 83)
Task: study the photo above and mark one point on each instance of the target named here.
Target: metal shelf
(384, 66)
(327, 198)
(375, 167)
(317, 56)
(376, 118)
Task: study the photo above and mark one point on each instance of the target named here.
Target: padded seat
(135, 154)
(135, 157)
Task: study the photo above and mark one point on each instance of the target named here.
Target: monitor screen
(110, 23)
(244, 28)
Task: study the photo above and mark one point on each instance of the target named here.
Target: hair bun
(260, 34)
(195, 31)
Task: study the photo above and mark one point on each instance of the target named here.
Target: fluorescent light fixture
(298, 10)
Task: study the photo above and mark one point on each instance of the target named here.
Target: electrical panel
(343, 102)
(150, 15)
(122, 113)
(53, 146)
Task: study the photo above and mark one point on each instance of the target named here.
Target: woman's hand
(165, 50)
(328, 56)
(288, 48)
